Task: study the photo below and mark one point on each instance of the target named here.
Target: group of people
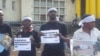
(86, 32)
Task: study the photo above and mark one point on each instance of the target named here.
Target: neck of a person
(25, 29)
(87, 30)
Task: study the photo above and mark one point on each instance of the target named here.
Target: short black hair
(86, 15)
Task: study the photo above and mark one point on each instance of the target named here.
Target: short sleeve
(75, 36)
(41, 28)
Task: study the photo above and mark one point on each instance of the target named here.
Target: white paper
(50, 36)
(81, 48)
(22, 44)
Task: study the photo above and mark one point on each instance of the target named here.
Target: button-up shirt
(81, 35)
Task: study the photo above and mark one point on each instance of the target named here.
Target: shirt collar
(81, 30)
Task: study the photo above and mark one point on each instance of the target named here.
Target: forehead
(53, 11)
(90, 22)
(26, 20)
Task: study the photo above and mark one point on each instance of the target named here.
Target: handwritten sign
(22, 44)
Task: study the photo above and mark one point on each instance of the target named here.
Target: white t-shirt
(81, 35)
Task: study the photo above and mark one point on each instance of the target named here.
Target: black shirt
(4, 28)
(33, 49)
(62, 29)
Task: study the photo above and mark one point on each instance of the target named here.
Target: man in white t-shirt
(87, 32)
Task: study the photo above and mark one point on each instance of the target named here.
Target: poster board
(50, 36)
(22, 44)
(84, 48)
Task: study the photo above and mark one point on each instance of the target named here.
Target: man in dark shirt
(58, 48)
(27, 31)
(4, 29)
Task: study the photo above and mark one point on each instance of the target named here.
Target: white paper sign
(50, 36)
(22, 44)
(82, 48)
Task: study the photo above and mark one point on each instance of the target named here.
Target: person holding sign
(5, 37)
(28, 32)
(88, 31)
(53, 31)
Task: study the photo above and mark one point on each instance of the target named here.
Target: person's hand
(40, 33)
(32, 39)
(6, 33)
(19, 36)
(62, 37)
(67, 39)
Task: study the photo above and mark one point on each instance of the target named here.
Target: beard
(53, 17)
(91, 28)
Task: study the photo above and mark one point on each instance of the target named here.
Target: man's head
(52, 13)
(88, 21)
(26, 22)
(1, 16)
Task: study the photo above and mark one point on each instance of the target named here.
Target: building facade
(88, 7)
(14, 10)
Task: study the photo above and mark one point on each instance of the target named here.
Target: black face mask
(52, 17)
